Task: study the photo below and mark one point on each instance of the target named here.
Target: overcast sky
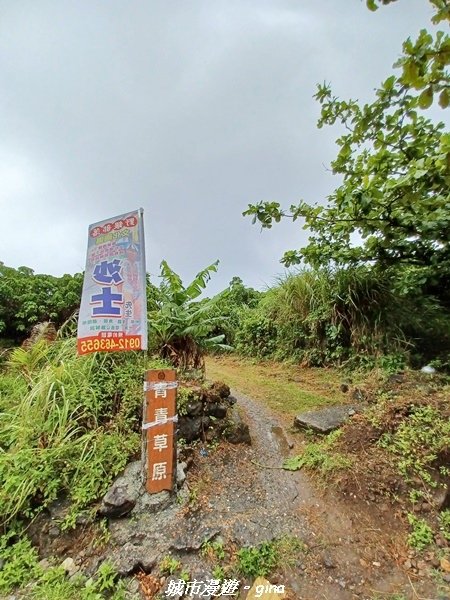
(189, 108)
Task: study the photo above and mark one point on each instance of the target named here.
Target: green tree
(180, 327)
(231, 305)
(27, 298)
(393, 206)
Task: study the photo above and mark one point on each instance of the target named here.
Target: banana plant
(180, 326)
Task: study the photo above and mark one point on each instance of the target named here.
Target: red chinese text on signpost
(159, 429)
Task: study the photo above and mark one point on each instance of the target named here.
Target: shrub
(68, 424)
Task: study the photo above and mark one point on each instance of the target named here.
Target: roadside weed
(169, 565)
(257, 561)
(421, 534)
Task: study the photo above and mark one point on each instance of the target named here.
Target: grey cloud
(191, 109)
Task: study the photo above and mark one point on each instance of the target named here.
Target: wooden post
(159, 430)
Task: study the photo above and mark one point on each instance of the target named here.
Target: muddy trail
(243, 497)
(237, 496)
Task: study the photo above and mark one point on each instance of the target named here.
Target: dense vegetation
(181, 327)
(394, 197)
(332, 316)
(27, 298)
(68, 424)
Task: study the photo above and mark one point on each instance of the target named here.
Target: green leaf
(444, 99)
(371, 5)
(294, 463)
(411, 75)
(426, 98)
(389, 83)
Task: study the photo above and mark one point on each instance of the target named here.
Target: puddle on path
(277, 434)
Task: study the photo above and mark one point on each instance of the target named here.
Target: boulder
(194, 408)
(122, 496)
(237, 431)
(192, 429)
(132, 557)
(181, 474)
(152, 503)
(219, 411)
(325, 420)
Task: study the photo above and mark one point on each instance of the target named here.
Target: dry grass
(288, 389)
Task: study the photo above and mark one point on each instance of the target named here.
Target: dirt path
(244, 501)
(351, 550)
(238, 496)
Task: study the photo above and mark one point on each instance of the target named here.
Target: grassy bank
(287, 389)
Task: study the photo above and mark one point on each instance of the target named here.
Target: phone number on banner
(96, 344)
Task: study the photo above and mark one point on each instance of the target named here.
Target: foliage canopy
(181, 327)
(395, 168)
(27, 298)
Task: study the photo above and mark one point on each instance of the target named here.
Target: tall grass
(68, 425)
(334, 315)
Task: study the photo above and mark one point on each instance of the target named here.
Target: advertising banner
(113, 311)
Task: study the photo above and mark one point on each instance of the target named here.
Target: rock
(210, 435)
(428, 369)
(83, 519)
(237, 432)
(54, 531)
(219, 411)
(325, 420)
(192, 542)
(328, 561)
(191, 429)
(69, 566)
(442, 499)
(435, 563)
(396, 378)
(133, 586)
(122, 496)
(231, 400)
(44, 564)
(131, 557)
(152, 503)
(181, 473)
(446, 577)
(194, 409)
(445, 564)
(59, 509)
